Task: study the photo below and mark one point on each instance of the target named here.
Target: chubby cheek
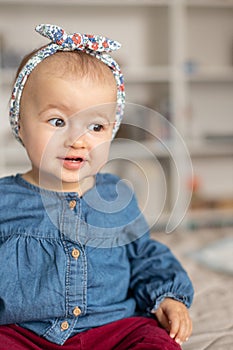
(36, 140)
(99, 153)
(36, 152)
(37, 148)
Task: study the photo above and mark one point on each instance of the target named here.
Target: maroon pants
(130, 333)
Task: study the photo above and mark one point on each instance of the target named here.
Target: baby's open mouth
(72, 162)
(78, 159)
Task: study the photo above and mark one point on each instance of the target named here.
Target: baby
(78, 267)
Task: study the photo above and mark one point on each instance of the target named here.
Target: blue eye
(57, 122)
(96, 127)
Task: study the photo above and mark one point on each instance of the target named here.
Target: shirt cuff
(182, 299)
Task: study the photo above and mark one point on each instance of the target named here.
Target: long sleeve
(156, 274)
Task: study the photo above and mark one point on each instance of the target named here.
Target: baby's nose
(76, 138)
(79, 142)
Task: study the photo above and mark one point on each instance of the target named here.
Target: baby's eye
(57, 122)
(96, 127)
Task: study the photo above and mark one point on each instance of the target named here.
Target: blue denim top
(70, 263)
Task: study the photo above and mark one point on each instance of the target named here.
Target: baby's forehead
(76, 64)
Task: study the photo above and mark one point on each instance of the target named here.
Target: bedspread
(212, 309)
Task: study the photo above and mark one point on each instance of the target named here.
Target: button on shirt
(75, 253)
(72, 204)
(68, 264)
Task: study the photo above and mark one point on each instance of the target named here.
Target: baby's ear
(19, 128)
(20, 133)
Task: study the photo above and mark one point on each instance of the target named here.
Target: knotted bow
(77, 41)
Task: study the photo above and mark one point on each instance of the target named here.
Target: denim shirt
(70, 263)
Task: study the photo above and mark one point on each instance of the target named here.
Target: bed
(207, 256)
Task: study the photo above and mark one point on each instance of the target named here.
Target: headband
(94, 45)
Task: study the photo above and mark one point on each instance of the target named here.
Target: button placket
(76, 262)
(70, 217)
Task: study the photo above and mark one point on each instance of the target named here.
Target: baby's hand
(173, 316)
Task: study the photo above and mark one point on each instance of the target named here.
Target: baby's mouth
(73, 160)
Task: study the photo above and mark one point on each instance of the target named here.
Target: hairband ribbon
(95, 45)
(76, 41)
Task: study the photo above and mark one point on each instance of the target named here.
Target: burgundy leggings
(130, 333)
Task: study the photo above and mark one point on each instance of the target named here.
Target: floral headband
(95, 45)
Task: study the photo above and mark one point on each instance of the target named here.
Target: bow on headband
(94, 45)
(76, 41)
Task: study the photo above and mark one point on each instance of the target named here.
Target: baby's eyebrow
(49, 106)
(97, 112)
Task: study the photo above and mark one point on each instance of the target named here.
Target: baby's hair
(77, 64)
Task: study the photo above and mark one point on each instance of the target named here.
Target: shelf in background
(209, 148)
(88, 2)
(148, 149)
(203, 218)
(129, 149)
(189, 3)
(147, 74)
(153, 74)
(197, 219)
(209, 3)
(211, 74)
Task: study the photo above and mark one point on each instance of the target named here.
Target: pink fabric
(130, 333)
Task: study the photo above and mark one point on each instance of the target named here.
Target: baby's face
(66, 126)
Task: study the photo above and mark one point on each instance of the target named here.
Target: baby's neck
(52, 184)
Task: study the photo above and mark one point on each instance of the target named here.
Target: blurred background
(177, 58)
